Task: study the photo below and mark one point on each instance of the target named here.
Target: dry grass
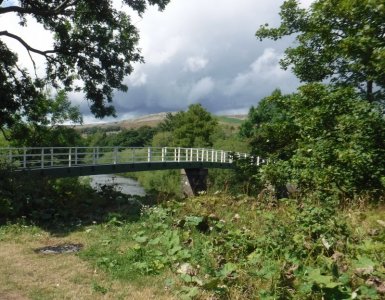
(25, 274)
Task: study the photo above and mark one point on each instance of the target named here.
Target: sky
(195, 51)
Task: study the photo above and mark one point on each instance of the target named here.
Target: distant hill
(153, 120)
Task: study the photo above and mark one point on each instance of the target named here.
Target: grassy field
(25, 274)
(154, 120)
(208, 247)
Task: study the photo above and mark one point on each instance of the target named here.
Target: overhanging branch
(60, 9)
(26, 45)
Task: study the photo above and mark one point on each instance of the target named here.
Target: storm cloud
(198, 51)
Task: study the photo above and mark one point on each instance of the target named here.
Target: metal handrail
(56, 157)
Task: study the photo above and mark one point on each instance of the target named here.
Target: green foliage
(94, 42)
(337, 40)
(342, 141)
(231, 181)
(161, 184)
(43, 123)
(229, 120)
(293, 251)
(331, 141)
(140, 137)
(63, 203)
(270, 127)
(192, 128)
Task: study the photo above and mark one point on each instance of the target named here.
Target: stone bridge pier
(193, 181)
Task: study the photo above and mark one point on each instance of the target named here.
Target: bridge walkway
(82, 161)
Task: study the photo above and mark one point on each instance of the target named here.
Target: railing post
(51, 151)
(197, 154)
(191, 154)
(10, 156)
(115, 155)
(178, 154)
(25, 158)
(174, 154)
(69, 157)
(76, 156)
(203, 154)
(162, 154)
(42, 158)
(94, 155)
(97, 155)
(149, 154)
(258, 160)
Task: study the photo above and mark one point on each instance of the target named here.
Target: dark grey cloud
(200, 51)
(196, 51)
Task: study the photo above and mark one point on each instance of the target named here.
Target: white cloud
(195, 64)
(137, 79)
(306, 3)
(265, 69)
(165, 52)
(201, 89)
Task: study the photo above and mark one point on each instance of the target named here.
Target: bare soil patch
(25, 274)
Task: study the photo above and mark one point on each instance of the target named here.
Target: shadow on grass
(61, 206)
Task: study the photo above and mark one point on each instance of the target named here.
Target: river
(123, 184)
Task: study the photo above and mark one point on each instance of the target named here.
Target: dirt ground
(25, 274)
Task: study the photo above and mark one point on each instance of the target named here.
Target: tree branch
(27, 46)
(29, 10)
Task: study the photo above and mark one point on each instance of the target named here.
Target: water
(125, 185)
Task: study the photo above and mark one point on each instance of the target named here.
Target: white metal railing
(56, 157)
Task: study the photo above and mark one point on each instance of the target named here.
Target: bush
(339, 147)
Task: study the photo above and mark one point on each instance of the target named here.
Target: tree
(43, 123)
(94, 43)
(338, 40)
(339, 146)
(270, 127)
(192, 128)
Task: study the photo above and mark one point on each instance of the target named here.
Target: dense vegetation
(308, 224)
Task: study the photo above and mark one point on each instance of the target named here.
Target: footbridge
(83, 161)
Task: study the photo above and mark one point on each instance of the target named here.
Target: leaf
(186, 278)
(141, 239)
(363, 262)
(174, 250)
(154, 241)
(189, 293)
(193, 220)
(322, 280)
(228, 269)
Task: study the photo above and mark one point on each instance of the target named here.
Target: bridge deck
(79, 161)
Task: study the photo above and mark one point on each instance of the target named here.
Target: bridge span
(83, 161)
